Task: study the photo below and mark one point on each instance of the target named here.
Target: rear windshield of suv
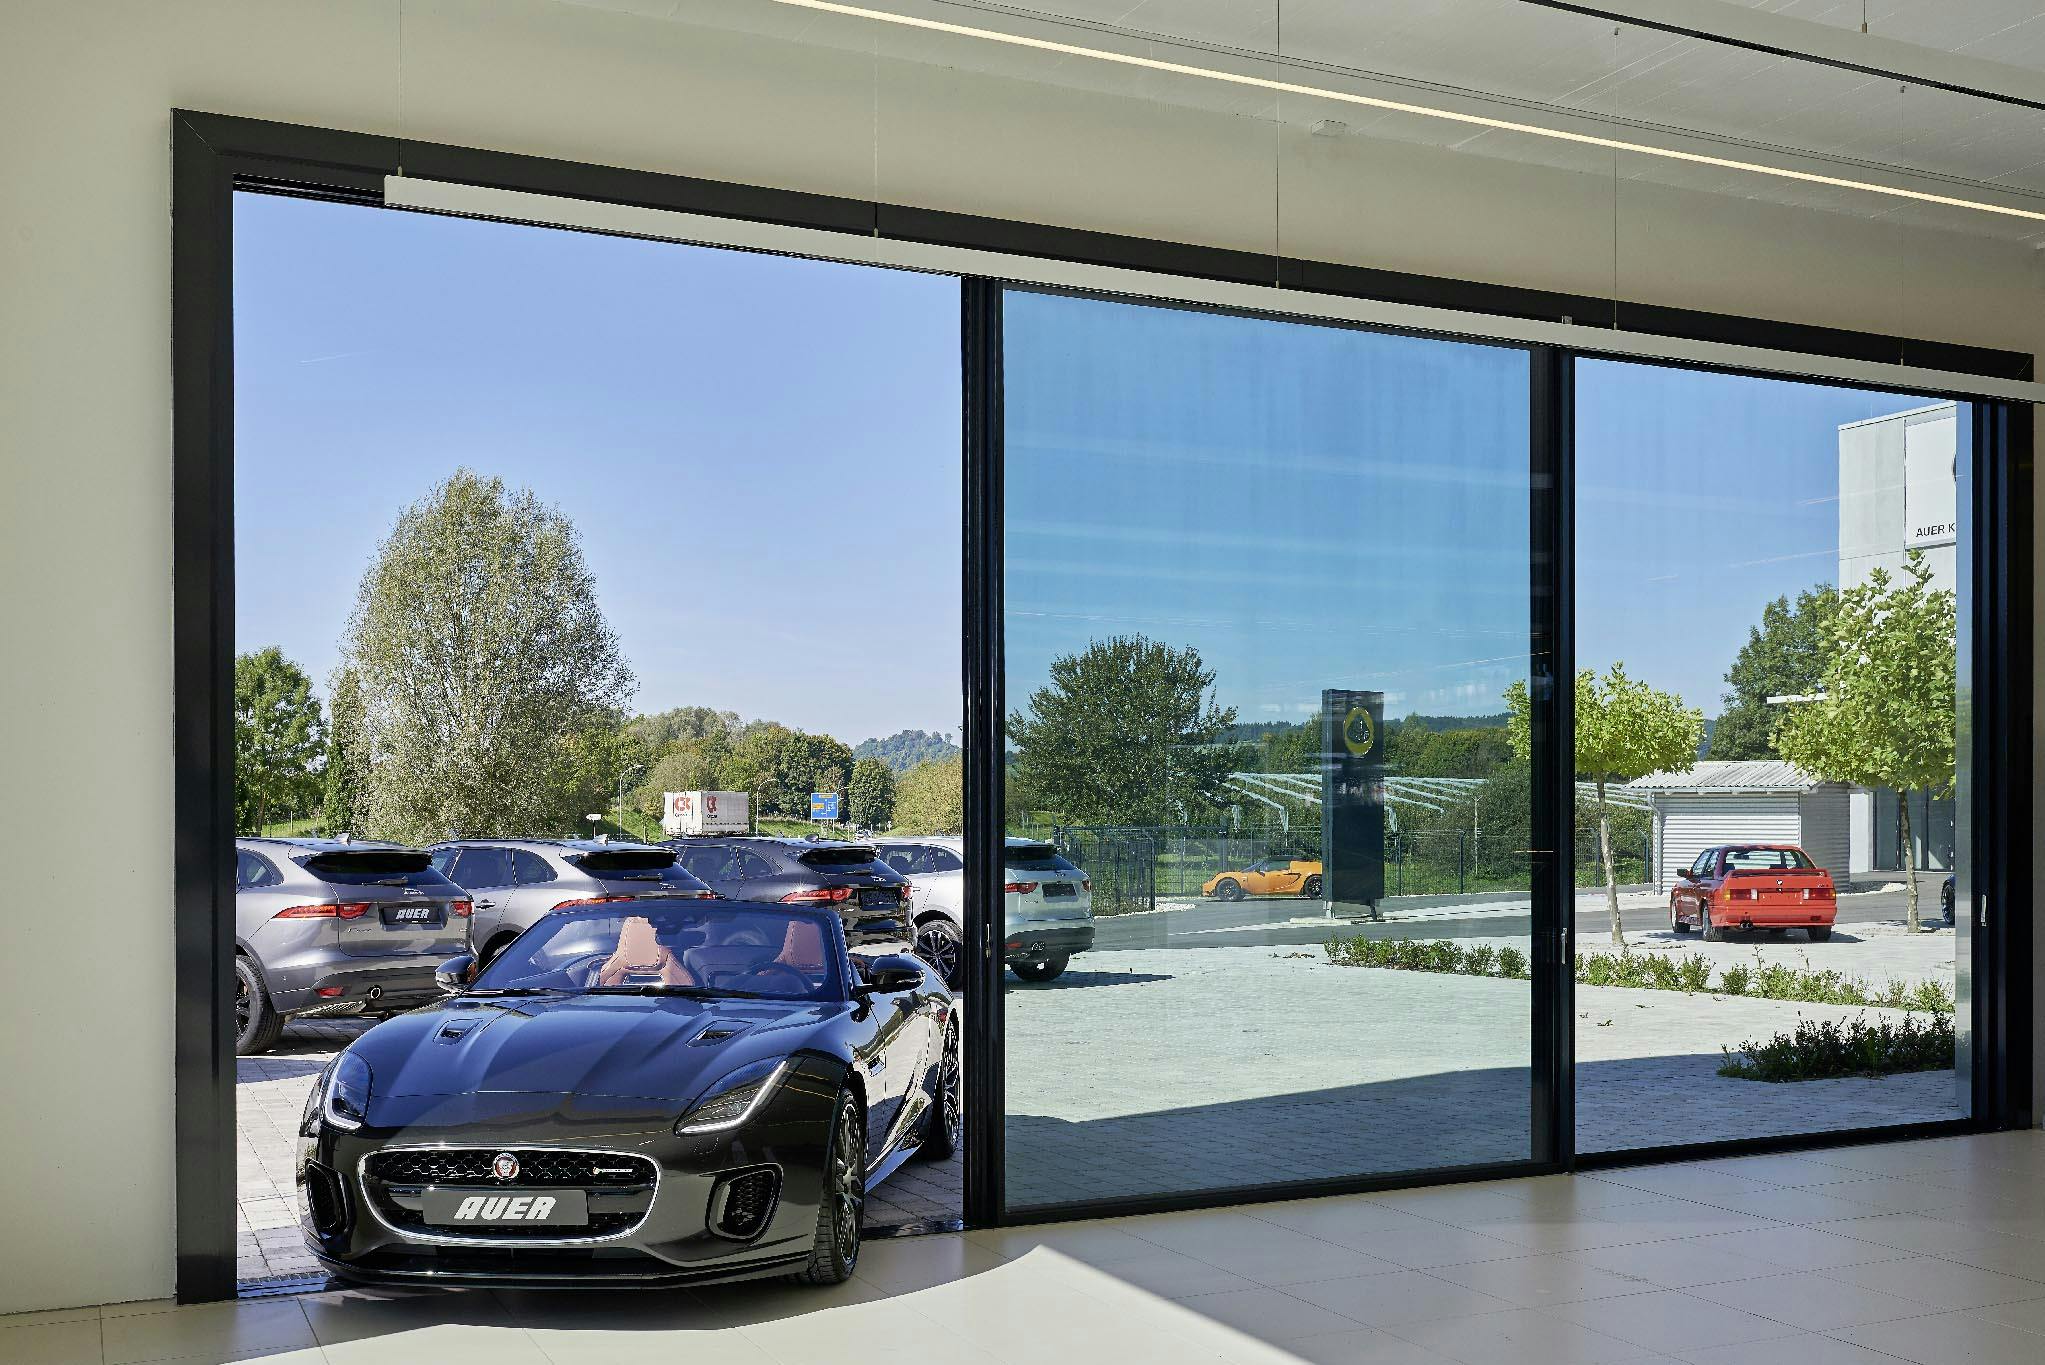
(1036, 858)
(375, 867)
(840, 855)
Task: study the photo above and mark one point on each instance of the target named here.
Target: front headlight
(340, 1096)
(732, 1100)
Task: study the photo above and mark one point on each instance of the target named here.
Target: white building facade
(1898, 492)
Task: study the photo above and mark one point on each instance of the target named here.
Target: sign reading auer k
(1352, 800)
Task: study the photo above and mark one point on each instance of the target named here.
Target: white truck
(684, 813)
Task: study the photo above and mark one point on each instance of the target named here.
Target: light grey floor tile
(1798, 1248)
(1532, 1281)
(1803, 1349)
(52, 1343)
(1521, 1335)
(1402, 1297)
(1679, 1264)
(1668, 1322)
(225, 1329)
(1947, 1339)
(2026, 1315)
(1363, 1346)
(1808, 1301)
(1936, 1283)
(1270, 1314)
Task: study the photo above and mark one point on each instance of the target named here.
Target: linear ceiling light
(1400, 107)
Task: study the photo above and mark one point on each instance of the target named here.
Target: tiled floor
(1929, 1252)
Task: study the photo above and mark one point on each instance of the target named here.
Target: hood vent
(717, 1033)
(455, 1032)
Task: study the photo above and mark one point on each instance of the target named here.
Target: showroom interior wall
(86, 90)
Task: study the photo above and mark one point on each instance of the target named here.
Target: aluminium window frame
(214, 156)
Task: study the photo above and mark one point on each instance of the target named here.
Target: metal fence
(1132, 866)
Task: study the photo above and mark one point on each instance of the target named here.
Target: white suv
(1047, 911)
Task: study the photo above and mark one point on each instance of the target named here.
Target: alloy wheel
(848, 1183)
(951, 1110)
(938, 944)
(244, 1006)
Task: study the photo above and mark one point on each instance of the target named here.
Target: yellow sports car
(1271, 877)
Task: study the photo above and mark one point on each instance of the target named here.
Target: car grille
(619, 1185)
(537, 1168)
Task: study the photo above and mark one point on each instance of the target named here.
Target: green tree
(341, 779)
(931, 797)
(1625, 729)
(871, 794)
(682, 724)
(687, 766)
(483, 659)
(1784, 656)
(279, 739)
(1887, 715)
(1124, 734)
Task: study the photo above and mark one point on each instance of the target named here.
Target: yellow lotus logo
(1358, 734)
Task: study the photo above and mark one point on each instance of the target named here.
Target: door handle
(486, 905)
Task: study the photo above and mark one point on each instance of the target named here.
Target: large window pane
(1267, 604)
(1777, 567)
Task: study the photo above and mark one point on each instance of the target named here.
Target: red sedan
(1753, 886)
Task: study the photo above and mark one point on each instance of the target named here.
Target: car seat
(640, 953)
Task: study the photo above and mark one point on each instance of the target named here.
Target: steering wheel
(769, 969)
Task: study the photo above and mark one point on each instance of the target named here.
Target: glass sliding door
(1770, 580)
(1267, 902)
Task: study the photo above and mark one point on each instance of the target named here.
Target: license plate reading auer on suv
(411, 914)
(505, 1208)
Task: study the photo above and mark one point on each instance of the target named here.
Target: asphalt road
(1257, 923)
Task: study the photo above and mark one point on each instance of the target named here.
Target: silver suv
(1046, 910)
(326, 927)
(516, 881)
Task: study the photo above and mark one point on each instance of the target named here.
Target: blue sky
(761, 453)
(762, 456)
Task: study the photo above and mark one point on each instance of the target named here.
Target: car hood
(663, 1048)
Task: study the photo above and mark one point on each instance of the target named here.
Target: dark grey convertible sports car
(654, 1089)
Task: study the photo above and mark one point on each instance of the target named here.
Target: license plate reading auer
(411, 914)
(460, 1208)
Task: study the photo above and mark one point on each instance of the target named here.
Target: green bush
(1512, 963)
(1822, 1050)
(1443, 955)
(1934, 997)
(1694, 974)
(1735, 979)
(1481, 960)
(1662, 974)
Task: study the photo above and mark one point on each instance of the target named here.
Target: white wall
(86, 87)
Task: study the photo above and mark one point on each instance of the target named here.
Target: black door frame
(214, 156)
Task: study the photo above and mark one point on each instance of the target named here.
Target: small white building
(1762, 801)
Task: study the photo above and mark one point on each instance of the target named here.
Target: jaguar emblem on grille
(505, 1167)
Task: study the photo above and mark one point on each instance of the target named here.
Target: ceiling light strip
(1402, 107)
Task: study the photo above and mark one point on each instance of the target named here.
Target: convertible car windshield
(681, 947)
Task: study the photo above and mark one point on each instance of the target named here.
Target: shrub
(1694, 973)
(1512, 963)
(1776, 981)
(1443, 955)
(1934, 997)
(1480, 960)
(1629, 970)
(1896, 995)
(1821, 1050)
(1736, 979)
(1597, 969)
(1409, 953)
(1662, 974)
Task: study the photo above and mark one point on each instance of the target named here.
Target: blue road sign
(823, 805)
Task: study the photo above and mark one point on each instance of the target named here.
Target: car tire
(1050, 969)
(1312, 889)
(1712, 933)
(841, 1207)
(939, 942)
(1228, 889)
(1677, 924)
(1819, 932)
(257, 1025)
(944, 1122)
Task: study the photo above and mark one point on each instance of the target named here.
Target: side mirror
(895, 972)
(454, 974)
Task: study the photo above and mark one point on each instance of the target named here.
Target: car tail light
(818, 895)
(592, 900)
(461, 909)
(1020, 888)
(329, 992)
(347, 910)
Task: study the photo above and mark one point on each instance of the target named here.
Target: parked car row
(328, 928)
